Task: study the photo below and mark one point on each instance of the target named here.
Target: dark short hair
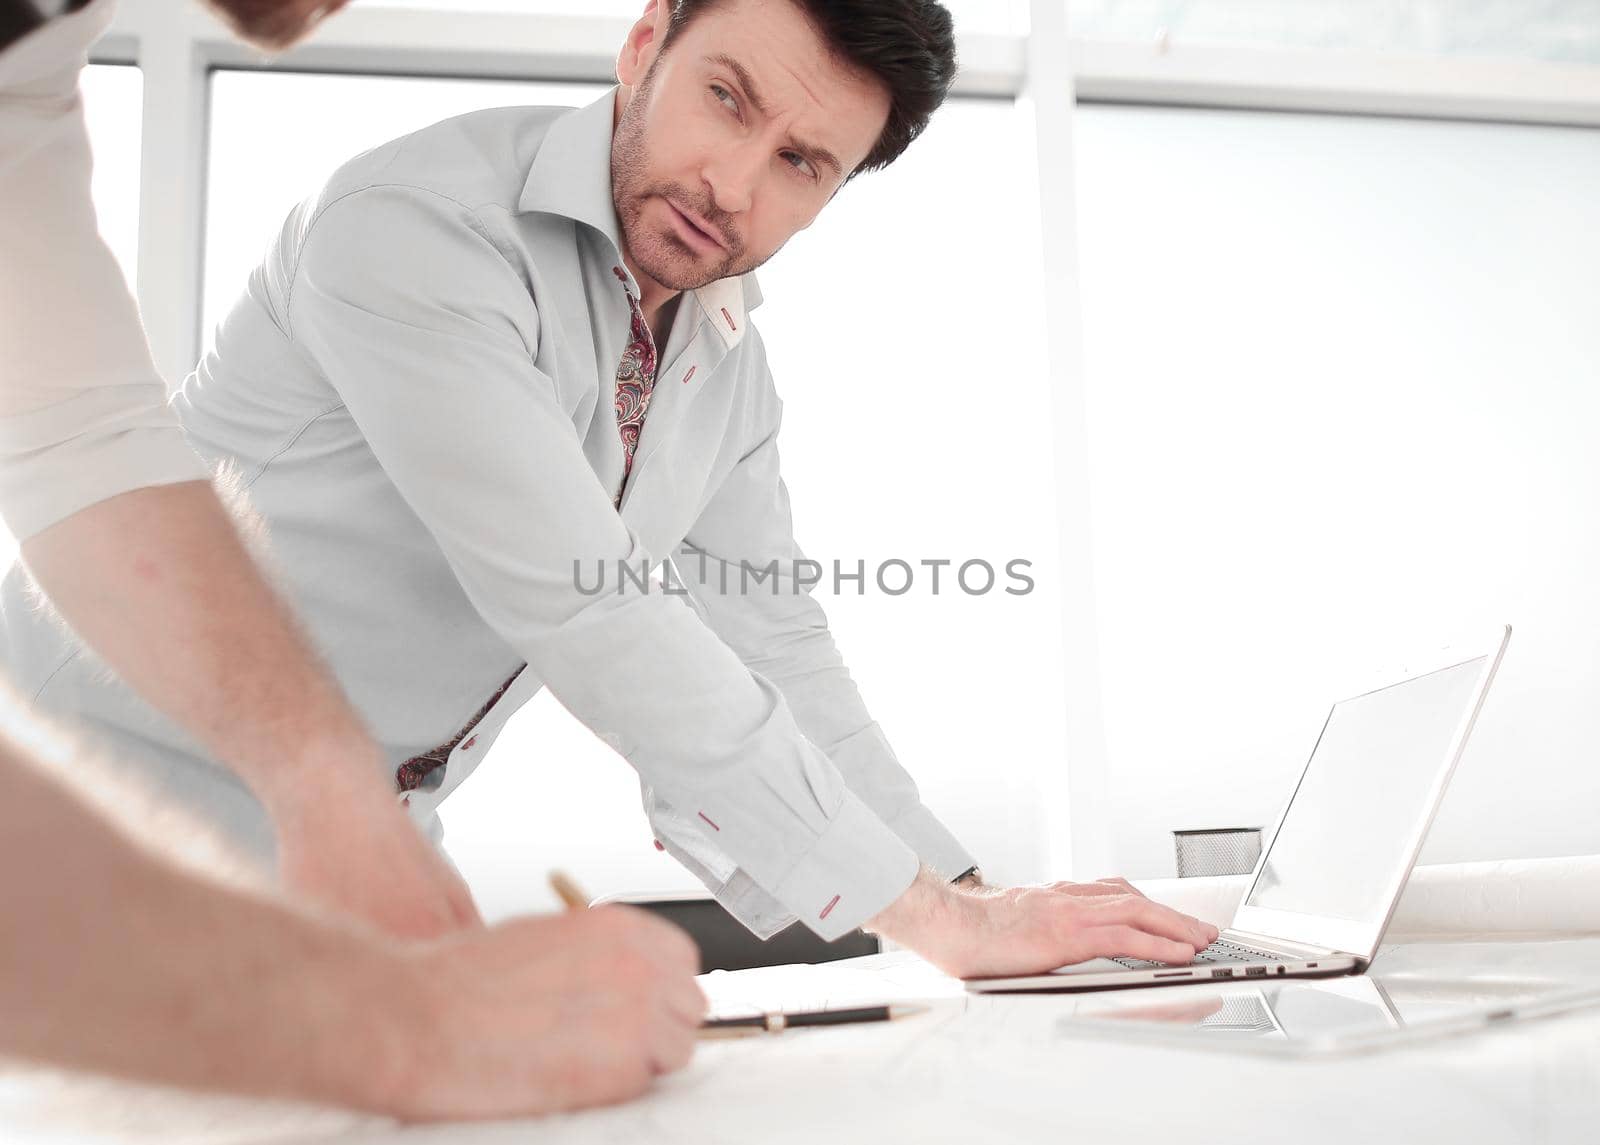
(907, 44)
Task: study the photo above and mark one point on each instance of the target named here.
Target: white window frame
(176, 44)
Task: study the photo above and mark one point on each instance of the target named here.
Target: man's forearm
(159, 584)
(117, 961)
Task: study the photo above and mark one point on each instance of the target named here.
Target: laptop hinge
(1279, 945)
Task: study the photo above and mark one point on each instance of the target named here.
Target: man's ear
(643, 43)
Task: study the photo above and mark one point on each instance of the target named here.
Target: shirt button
(659, 847)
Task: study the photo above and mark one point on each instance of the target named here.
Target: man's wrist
(932, 918)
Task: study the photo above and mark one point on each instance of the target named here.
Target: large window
(903, 328)
(1342, 402)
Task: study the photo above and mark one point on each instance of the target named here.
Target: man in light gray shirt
(517, 344)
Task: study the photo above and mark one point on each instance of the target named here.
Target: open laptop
(1326, 885)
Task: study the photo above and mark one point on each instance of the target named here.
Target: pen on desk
(777, 1023)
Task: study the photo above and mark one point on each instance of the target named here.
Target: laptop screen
(1354, 818)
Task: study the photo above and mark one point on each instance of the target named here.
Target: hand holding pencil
(769, 1023)
(536, 1014)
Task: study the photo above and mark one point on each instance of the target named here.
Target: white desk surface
(978, 1069)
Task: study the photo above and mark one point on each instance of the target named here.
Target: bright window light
(1342, 408)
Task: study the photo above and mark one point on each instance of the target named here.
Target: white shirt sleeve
(83, 413)
(429, 337)
(751, 583)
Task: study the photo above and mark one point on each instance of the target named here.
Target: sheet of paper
(878, 978)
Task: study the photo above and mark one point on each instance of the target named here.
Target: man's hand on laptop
(345, 843)
(987, 931)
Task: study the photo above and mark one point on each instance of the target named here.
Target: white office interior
(1266, 334)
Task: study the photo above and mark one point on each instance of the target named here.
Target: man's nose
(732, 175)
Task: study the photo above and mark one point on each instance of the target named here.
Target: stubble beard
(662, 255)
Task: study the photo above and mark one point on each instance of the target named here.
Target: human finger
(1130, 942)
(668, 944)
(686, 1000)
(1155, 918)
(624, 1074)
(672, 1042)
(1117, 882)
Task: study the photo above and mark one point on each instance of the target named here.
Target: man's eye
(799, 162)
(725, 97)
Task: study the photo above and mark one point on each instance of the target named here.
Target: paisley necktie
(636, 379)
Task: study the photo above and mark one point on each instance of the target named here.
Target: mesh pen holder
(1217, 851)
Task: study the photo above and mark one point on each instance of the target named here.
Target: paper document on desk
(876, 978)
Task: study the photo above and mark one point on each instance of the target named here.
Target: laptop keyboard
(1219, 953)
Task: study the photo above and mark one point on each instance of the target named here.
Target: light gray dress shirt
(83, 413)
(417, 389)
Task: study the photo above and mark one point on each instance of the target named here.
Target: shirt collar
(571, 176)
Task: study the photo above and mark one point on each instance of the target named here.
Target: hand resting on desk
(986, 931)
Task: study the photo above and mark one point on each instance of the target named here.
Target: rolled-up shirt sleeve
(753, 585)
(429, 337)
(83, 412)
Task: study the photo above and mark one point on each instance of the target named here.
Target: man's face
(733, 138)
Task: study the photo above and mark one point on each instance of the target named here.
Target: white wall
(1342, 398)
